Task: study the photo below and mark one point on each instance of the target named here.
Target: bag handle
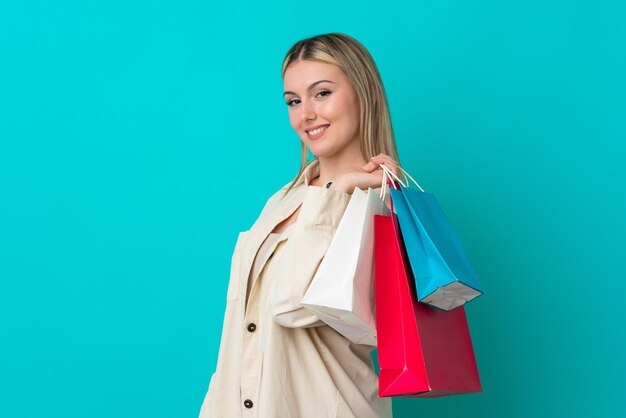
(390, 173)
(386, 180)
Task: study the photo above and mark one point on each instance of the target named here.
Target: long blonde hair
(359, 66)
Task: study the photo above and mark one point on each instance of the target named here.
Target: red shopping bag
(422, 351)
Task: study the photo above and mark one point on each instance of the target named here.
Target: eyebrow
(310, 87)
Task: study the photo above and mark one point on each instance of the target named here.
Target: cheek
(332, 110)
(341, 109)
(347, 117)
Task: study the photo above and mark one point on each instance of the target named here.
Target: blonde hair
(359, 66)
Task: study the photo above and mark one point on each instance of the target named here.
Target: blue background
(137, 139)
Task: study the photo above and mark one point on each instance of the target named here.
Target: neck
(331, 167)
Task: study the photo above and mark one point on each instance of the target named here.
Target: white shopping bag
(342, 291)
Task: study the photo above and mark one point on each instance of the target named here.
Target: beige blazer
(277, 359)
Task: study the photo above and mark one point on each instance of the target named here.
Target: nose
(307, 112)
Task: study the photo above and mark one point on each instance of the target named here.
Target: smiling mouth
(316, 133)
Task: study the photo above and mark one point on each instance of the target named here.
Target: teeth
(316, 131)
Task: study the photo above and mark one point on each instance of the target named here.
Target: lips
(317, 134)
(312, 128)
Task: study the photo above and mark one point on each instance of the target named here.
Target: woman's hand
(368, 175)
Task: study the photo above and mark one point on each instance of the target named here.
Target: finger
(387, 160)
(381, 158)
(371, 166)
(394, 168)
(374, 164)
(390, 164)
(394, 171)
(383, 155)
(377, 180)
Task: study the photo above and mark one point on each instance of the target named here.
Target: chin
(321, 150)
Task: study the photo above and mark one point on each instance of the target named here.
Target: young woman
(276, 359)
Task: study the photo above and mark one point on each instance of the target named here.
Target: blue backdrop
(137, 138)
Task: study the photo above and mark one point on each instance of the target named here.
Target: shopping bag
(342, 291)
(444, 277)
(422, 351)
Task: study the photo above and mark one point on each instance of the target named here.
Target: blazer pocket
(235, 280)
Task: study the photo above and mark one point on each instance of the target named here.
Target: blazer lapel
(264, 226)
(261, 229)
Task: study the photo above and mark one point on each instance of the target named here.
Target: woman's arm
(317, 221)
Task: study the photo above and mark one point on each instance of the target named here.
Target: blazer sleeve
(312, 232)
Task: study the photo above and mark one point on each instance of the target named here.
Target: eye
(290, 102)
(324, 91)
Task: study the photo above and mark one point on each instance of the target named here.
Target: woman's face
(331, 104)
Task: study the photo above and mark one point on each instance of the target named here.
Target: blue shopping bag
(444, 277)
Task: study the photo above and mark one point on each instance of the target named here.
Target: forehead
(303, 73)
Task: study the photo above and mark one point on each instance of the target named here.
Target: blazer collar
(311, 171)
